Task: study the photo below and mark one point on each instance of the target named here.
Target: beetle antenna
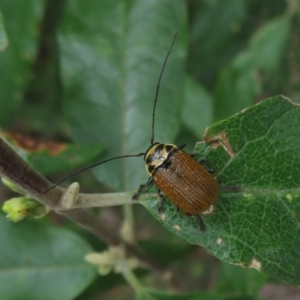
(89, 167)
(158, 85)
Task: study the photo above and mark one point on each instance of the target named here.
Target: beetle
(181, 178)
(175, 173)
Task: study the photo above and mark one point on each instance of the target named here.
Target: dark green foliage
(86, 72)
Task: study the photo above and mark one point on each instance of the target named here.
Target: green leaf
(3, 36)
(236, 87)
(112, 55)
(242, 281)
(268, 44)
(215, 35)
(42, 262)
(197, 109)
(239, 83)
(148, 294)
(21, 25)
(258, 150)
(161, 295)
(69, 159)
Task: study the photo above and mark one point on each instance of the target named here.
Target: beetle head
(156, 155)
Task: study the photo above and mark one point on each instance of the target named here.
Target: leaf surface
(258, 150)
(112, 56)
(42, 262)
(21, 19)
(3, 36)
(162, 295)
(198, 107)
(241, 81)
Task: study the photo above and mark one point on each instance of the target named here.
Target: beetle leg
(235, 188)
(202, 161)
(200, 223)
(141, 187)
(162, 201)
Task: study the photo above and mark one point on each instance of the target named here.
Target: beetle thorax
(156, 155)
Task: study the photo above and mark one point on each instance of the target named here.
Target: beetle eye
(169, 148)
(150, 168)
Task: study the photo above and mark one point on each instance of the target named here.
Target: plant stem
(16, 170)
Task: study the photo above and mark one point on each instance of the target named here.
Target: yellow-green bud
(20, 207)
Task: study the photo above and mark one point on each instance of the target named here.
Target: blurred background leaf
(242, 81)
(83, 72)
(3, 36)
(49, 260)
(21, 23)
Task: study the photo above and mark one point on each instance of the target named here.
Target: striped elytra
(187, 183)
(181, 178)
